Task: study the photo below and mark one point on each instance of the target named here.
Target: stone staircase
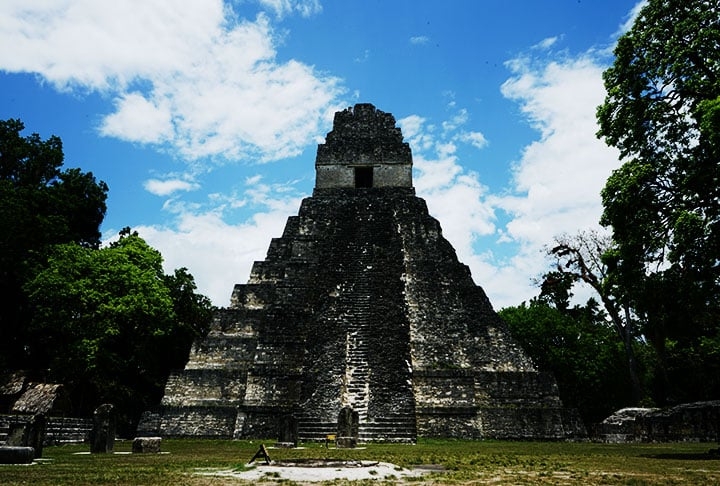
(58, 430)
(399, 428)
(64, 430)
(312, 429)
(357, 370)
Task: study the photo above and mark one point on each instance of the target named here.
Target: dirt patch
(317, 470)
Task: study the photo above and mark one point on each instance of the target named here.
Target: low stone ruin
(21, 399)
(620, 427)
(362, 305)
(697, 422)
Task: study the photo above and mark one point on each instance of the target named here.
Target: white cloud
(364, 57)
(631, 17)
(169, 186)
(138, 119)
(216, 253)
(459, 119)
(555, 186)
(216, 263)
(419, 40)
(476, 139)
(560, 176)
(306, 8)
(184, 75)
(546, 43)
(443, 182)
(557, 182)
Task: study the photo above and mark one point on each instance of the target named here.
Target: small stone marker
(36, 433)
(146, 445)
(348, 423)
(348, 428)
(287, 432)
(262, 452)
(102, 436)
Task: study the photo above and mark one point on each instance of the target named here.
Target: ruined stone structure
(695, 421)
(362, 309)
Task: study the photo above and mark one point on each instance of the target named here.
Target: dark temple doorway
(363, 177)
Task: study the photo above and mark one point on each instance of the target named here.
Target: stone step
(392, 440)
(357, 375)
(400, 417)
(389, 427)
(368, 432)
(356, 389)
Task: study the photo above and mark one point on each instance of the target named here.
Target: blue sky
(204, 116)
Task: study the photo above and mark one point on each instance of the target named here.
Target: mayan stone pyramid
(361, 321)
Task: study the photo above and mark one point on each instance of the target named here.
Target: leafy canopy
(662, 111)
(40, 205)
(579, 347)
(111, 325)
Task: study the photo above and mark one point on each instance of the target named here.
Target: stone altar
(362, 305)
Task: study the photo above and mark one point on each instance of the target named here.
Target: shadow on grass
(687, 456)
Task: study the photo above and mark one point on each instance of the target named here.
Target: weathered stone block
(146, 445)
(16, 455)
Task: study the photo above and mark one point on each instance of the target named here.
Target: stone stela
(361, 321)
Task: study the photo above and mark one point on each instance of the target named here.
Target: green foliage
(580, 348)
(40, 206)
(586, 259)
(662, 111)
(107, 323)
(110, 325)
(193, 313)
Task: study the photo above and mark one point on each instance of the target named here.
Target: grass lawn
(465, 462)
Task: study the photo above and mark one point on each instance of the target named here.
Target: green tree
(40, 206)
(110, 325)
(578, 346)
(662, 111)
(193, 313)
(581, 258)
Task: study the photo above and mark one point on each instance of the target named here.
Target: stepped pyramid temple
(362, 322)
